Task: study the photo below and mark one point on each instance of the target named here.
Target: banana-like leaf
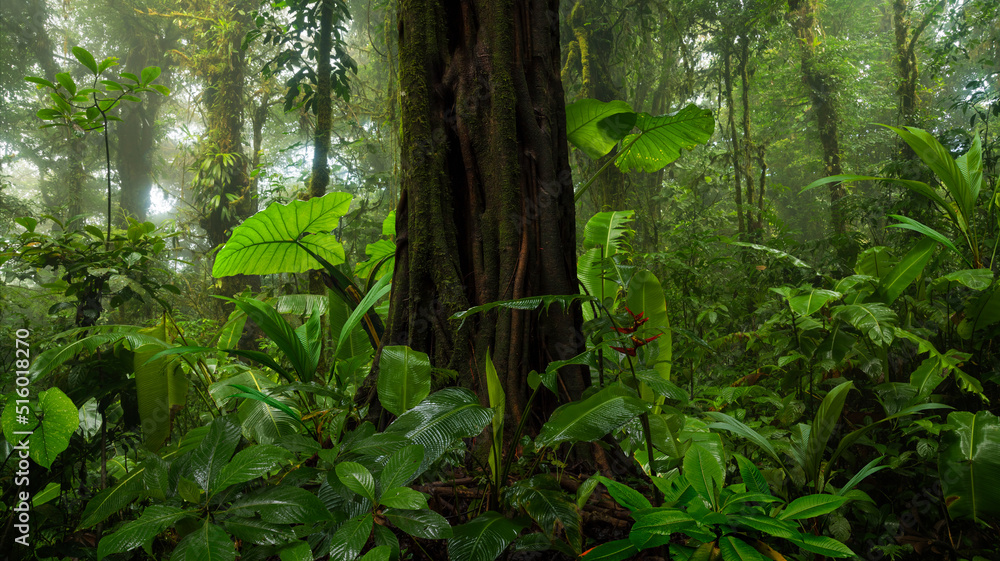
(208, 542)
(437, 422)
(404, 378)
(140, 532)
(704, 473)
(498, 403)
(907, 271)
(590, 270)
(645, 296)
(269, 241)
(161, 389)
(591, 418)
(483, 538)
(969, 465)
(823, 426)
(596, 126)
(907, 223)
(661, 138)
(608, 230)
(939, 159)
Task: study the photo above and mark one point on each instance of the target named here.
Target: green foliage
(50, 424)
(969, 464)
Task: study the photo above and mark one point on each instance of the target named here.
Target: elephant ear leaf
(661, 138)
(272, 240)
(596, 126)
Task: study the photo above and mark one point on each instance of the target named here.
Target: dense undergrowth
(746, 403)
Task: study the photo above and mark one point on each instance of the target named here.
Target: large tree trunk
(324, 103)
(819, 83)
(486, 211)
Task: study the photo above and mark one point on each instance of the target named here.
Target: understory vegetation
(773, 348)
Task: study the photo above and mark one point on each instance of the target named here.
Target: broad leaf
(59, 420)
(85, 58)
(213, 454)
(266, 242)
(254, 530)
(617, 550)
(596, 126)
(437, 422)
(351, 537)
(811, 506)
(903, 274)
(423, 523)
(607, 231)
(404, 378)
(250, 463)
(660, 139)
(282, 504)
(969, 465)
(161, 388)
(735, 549)
(625, 495)
(822, 545)
(823, 426)
(483, 538)
(140, 532)
(704, 472)
(114, 498)
(357, 478)
(664, 521)
(753, 479)
(401, 467)
(403, 498)
(207, 543)
(873, 319)
(590, 419)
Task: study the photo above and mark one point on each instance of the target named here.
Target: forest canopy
(521, 279)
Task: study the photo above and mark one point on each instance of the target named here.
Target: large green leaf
(730, 424)
(596, 126)
(594, 277)
(250, 463)
(498, 404)
(811, 506)
(98, 336)
(903, 274)
(140, 532)
(59, 419)
(821, 544)
(543, 499)
(401, 467)
(351, 537)
(617, 550)
(872, 318)
(823, 426)
(704, 472)
(753, 479)
(607, 231)
(645, 296)
(282, 504)
(254, 530)
(114, 498)
(404, 378)
(208, 543)
(363, 313)
(982, 312)
(625, 495)
(660, 139)
(357, 478)
(213, 453)
(422, 523)
(266, 242)
(443, 418)
(161, 388)
(483, 538)
(735, 549)
(663, 521)
(969, 465)
(808, 304)
(591, 418)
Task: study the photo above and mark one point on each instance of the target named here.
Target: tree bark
(486, 211)
(324, 103)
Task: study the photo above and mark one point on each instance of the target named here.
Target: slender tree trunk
(486, 211)
(320, 179)
(734, 141)
(747, 142)
(819, 83)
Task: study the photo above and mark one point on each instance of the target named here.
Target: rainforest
(476, 280)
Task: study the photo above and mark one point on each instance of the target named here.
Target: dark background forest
(428, 279)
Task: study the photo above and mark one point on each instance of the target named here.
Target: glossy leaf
(403, 498)
(357, 478)
(351, 537)
(401, 467)
(969, 465)
(114, 498)
(752, 476)
(250, 463)
(607, 230)
(85, 58)
(266, 242)
(664, 521)
(822, 544)
(823, 426)
(735, 549)
(141, 531)
(595, 126)
(404, 378)
(873, 319)
(811, 506)
(208, 543)
(59, 420)
(704, 472)
(443, 418)
(423, 523)
(660, 139)
(591, 418)
(625, 495)
(617, 550)
(213, 453)
(483, 538)
(283, 504)
(161, 389)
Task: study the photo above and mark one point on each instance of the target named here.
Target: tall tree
(486, 211)
(820, 84)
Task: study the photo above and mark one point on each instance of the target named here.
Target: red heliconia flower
(626, 350)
